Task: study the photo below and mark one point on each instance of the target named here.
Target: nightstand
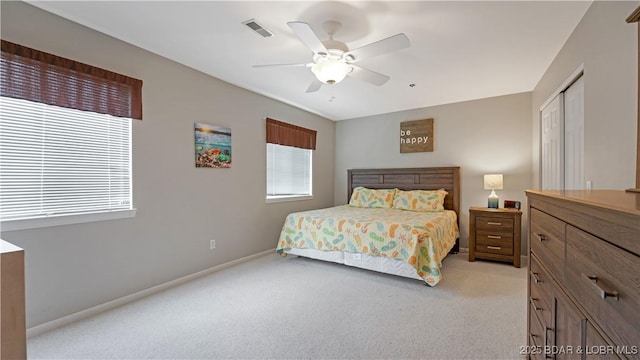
(494, 234)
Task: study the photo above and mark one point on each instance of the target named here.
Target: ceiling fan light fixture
(331, 71)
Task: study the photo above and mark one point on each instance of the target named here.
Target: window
(65, 140)
(289, 161)
(288, 171)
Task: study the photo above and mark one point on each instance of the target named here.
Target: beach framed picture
(212, 146)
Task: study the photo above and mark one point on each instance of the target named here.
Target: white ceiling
(459, 50)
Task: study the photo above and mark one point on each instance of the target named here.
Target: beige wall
(481, 136)
(606, 45)
(71, 268)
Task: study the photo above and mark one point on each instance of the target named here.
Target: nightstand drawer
(493, 249)
(494, 242)
(494, 223)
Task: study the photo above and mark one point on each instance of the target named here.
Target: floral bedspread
(421, 239)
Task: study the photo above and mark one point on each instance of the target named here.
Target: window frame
(71, 219)
(285, 134)
(41, 77)
(40, 219)
(297, 197)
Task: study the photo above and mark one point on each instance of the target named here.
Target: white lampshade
(331, 71)
(493, 182)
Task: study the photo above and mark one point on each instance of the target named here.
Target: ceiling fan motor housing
(332, 44)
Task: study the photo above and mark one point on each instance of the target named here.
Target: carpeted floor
(297, 308)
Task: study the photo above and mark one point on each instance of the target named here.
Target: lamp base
(493, 200)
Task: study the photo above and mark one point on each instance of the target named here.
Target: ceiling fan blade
(368, 76)
(308, 37)
(314, 86)
(393, 43)
(281, 65)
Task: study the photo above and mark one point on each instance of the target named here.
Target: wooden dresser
(584, 278)
(13, 333)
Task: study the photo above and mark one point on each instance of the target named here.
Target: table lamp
(493, 182)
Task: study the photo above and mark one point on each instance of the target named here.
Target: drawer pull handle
(546, 329)
(494, 237)
(544, 341)
(541, 237)
(536, 279)
(593, 281)
(535, 307)
(493, 247)
(494, 223)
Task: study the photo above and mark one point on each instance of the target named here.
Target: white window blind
(288, 171)
(57, 161)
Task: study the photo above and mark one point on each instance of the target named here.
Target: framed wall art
(212, 146)
(416, 136)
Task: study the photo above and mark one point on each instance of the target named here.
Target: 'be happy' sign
(416, 136)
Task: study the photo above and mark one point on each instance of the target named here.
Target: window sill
(13, 225)
(277, 199)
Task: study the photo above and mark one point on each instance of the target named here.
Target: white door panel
(553, 145)
(574, 136)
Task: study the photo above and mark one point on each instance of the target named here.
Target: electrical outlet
(357, 257)
(212, 244)
(589, 185)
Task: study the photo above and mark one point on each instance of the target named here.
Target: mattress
(418, 240)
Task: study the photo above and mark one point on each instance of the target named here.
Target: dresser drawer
(606, 281)
(540, 286)
(594, 342)
(494, 223)
(546, 240)
(494, 242)
(538, 337)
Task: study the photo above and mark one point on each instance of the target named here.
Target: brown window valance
(281, 133)
(42, 77)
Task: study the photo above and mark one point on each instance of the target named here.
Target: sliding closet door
(574, 136)
(552, 162)
(562, 134)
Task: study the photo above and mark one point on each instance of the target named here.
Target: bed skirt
(376, 263)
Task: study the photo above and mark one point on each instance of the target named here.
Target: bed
(385, 234)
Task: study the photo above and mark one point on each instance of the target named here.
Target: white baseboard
(42, 328)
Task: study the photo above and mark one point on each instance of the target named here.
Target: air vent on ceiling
(253, 25)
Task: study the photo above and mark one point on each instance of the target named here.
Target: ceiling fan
(332, 59)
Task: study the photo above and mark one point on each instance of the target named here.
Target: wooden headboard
(433, 178)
